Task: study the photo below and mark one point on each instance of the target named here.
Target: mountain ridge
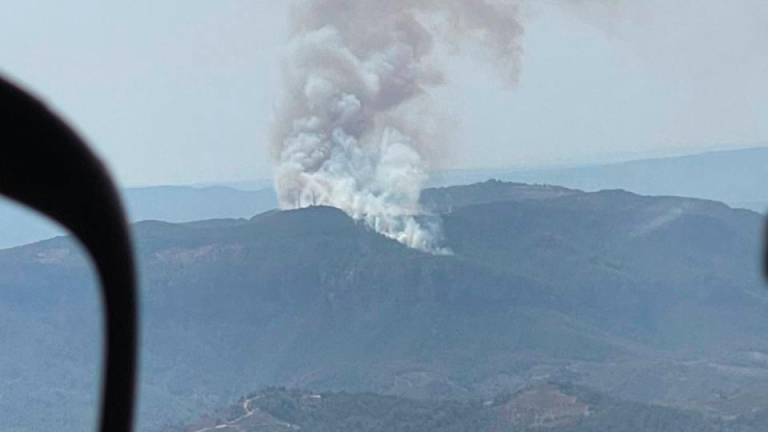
(605, 290)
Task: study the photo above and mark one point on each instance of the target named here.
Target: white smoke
(343, 135)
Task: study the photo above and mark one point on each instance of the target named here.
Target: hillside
(652, 300)
(551, 407)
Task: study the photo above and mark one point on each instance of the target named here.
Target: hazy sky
(183, 91)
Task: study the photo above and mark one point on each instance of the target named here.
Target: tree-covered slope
(651, 299)
(550, 407)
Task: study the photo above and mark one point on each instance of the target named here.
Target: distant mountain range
(167, 203)
(736, 177)
(656, 301)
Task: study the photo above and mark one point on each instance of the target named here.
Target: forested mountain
(550, 407)
(656, 301)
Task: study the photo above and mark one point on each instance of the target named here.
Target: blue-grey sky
(183, 91)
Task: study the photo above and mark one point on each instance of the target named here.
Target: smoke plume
(345, 133)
